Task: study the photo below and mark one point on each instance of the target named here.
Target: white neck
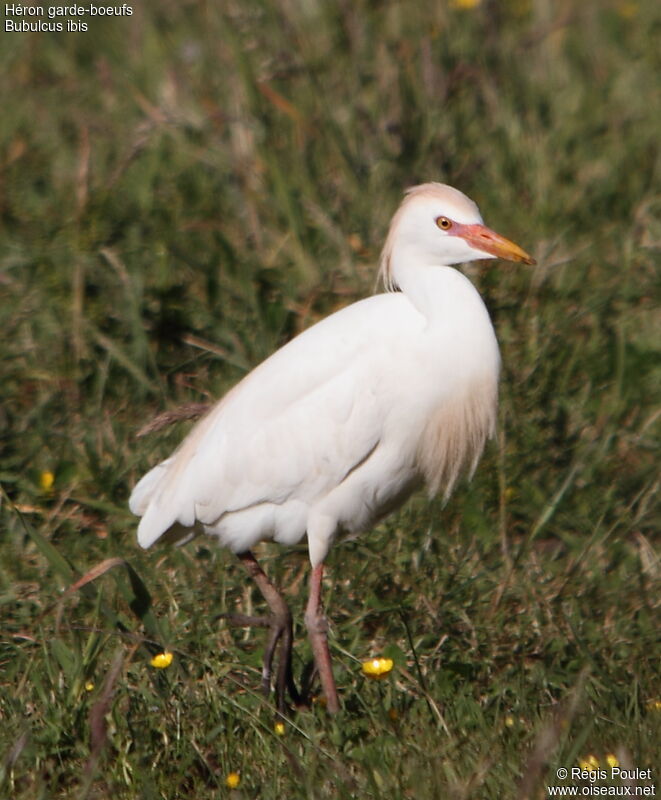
(436, 291)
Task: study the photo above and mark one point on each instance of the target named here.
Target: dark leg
(280, 624)
(317, 628)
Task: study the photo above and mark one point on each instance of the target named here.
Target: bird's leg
(280, 624)
(317, 626)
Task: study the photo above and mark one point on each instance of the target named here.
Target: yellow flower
(46, 481)
(233, 780)
(653, 705)
(377, 667)
(589, 763)
(279, 728)
(466, 4)
(89, 686)
(627, 10)
(162, 660)
(509, 721)
(612, 761)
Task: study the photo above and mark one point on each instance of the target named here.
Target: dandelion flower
(653, 705)
(233, 780)
(589, 763)
(509, 721)
(279, 728)
(377, 668)
(612, 761)
(46, 481)
(89, 686)
(162, 660)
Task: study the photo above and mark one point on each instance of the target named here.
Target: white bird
(338, 427)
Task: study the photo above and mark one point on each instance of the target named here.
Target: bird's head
(437, 225)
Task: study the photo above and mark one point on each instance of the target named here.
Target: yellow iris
(377, 668)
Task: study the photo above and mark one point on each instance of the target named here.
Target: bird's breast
(463, 414)
(447, 391)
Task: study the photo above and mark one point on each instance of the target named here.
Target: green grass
(183, 191)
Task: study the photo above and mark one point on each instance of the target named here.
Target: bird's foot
(280, 632)
(245, 620)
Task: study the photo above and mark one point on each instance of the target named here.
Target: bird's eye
(444, 223)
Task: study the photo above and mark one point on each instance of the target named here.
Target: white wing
(292, 429)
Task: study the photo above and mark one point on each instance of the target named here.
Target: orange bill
(482, 238)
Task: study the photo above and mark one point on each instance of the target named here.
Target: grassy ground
(182, 191)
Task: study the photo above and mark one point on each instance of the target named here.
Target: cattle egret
(338, 427)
